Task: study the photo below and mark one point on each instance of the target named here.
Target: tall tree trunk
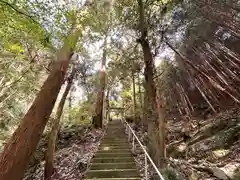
(70, 106)
(107, 105)
(150, 106)
(151, 114)
(98, 117)
(140, 95)
(23, 142)
(134, 96)
(49, 155)
(181, 61)
(161, 132)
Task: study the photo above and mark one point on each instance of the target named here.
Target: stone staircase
(114, 160)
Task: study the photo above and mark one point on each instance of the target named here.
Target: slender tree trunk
(151, 114)
(140, 96)
(181, 61)
(134, 96)
(107, 104)
(49, 155)
(140, 92)
(70, 106)
(98, 117)
(23, 142)
(144, 122)
(161, 132)
(150, 106)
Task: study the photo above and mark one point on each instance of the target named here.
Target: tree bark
(49, 155)
(181, 61)
(161, 132)
(23, 142)
(134, 96)
(69, 106)
(150, 91)
(107, 105)
(140, 92)
(98, 117)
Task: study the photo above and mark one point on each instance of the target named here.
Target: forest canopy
(67, 63)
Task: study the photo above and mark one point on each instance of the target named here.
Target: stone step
(113, 160)
(116, 127)
(109, 155)
(115, 141)
(106, 147)
(114, 137)
(115, 132)
(119, 125)
(97, 166)
(109, 129)
(119, 173)
(115, 151)
(115, 178)
(116, 122)
(115, 144)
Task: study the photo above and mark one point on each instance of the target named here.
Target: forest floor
(212, 151)
(75, 147)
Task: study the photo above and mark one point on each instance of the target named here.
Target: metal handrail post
(146, 166)
(144, 150)
(133, 144)
(129, 134)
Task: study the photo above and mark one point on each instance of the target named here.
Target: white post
(133, 143)
(146, 166)
(129, 134)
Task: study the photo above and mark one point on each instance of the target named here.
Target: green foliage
(81, 114)
(236, 174)
(171, 174)
(25, 50)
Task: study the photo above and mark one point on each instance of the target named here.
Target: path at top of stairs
(114, 160)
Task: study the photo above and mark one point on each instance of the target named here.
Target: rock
(82, 165)
(193, 176)
(182, 147)
(129, 119)
(236, 175)
(219, 153)
(230, 169)
(217, 172)
(170, 173)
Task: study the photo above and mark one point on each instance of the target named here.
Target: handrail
(144, 150)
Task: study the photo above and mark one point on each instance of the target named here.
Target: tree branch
(18, 11)
(14, 82)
